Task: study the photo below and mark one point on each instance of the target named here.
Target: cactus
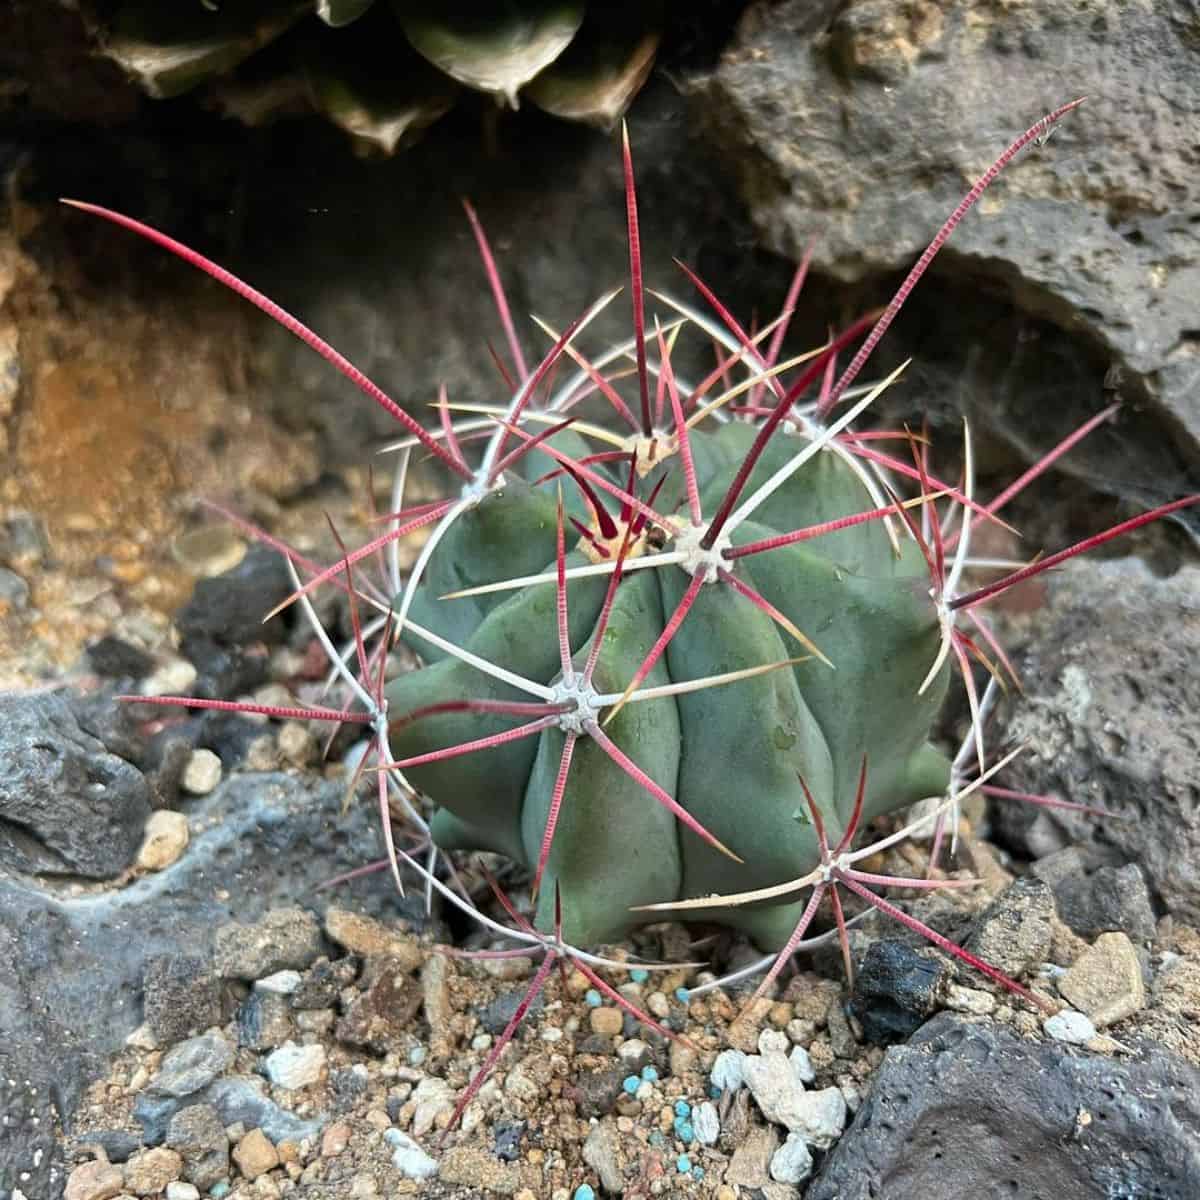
(696, 707)
(384, 71)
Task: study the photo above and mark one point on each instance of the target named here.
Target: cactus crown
(696, 706)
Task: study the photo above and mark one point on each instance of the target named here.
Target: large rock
(862, 124)
(971, 1110)
(67, 806)
(1111, 712)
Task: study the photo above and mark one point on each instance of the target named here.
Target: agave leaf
(597, 77)
(171, 48)
(494, 46)
(370, 83)
(341, 12)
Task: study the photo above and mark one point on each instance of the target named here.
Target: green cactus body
(732, 756)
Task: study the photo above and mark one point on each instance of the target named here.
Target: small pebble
(1069, 1026)
(792, 1162)
(178, 1190)
(584, 1191)
(682, 994)
(202, 773)
(683, 1108)
(255, 1155)
(607, 1021)
(94, 1181)
(283, 983)
(639, 975)
(707, 1123)
(164, 841)
(649, 1074)
(631, 1083)
(592, 998)
(684, 1130)
(683, 1164)
(728, 1072)
(173, 678)
(697, 1172)
(293, 1066)
(407, 1156)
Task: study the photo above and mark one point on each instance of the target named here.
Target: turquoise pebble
(594, 1000)
(631, 1084)
(219, 1189)
(683, 1108)
(585, 1191)
(681, 994)
(649, 1074)
(683, 1164)
(657, 1139)
(638, 975)
(697, 1173)
(684, 1131)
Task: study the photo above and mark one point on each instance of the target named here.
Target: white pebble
(706, 1123)
(293, 1066)
(1069, 1026)
(633, 1051)
(178, 1190)
(173, 678)
(407, 1156)
(282, 983)
(728, 1072)
(202, 773)
(792, 1162)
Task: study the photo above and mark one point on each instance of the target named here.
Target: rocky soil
(187, 1011)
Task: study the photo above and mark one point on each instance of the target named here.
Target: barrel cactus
(734, 666)
(384, 70)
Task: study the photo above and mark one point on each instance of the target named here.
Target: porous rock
(1043, 1119)
(1112, 717)
(1013, 934)
(283, 938)
(1108, 900)
(67, 806)
(895, 989)
(1081, 254)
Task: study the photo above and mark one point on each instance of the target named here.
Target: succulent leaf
(169, 49)
(369, 81)
(341, 12)
(494, 46)
(598, 75)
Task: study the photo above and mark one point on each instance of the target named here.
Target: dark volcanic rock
(67, 806)
(862, 124)
(1112, 714)
(1110, 899)
(181, 996)
(895, 989)
(971, 1110)
(118, 659)
(1013, 934)
(229, 609)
